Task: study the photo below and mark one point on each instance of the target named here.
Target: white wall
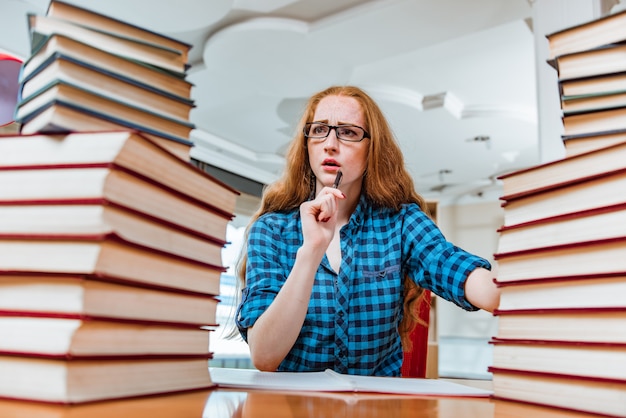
(463, 336)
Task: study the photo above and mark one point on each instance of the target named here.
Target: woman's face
(327, 156)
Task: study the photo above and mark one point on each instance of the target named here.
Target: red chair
(414, 363)
(9, 85)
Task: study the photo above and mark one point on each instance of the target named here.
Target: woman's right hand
(319, 218)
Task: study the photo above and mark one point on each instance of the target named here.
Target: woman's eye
(347, 132)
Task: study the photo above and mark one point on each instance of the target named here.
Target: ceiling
(456, 78)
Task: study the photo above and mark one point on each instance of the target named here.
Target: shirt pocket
(382, 288)
(382, 274)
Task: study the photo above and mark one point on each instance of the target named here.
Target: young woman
(326, 265)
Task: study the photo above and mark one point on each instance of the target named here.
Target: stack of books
(110, 247)
(590, 60)
(89, 72)
(110, 264)
(561, 338)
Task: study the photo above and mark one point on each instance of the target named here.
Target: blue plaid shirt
(352, 319)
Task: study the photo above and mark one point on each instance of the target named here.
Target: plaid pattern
(352, 319)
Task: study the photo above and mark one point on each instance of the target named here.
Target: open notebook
(330, 381)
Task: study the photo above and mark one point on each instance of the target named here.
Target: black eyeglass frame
(307, 126)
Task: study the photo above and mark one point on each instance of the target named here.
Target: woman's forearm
(277, 329)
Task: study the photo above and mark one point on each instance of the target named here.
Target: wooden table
(230, 403)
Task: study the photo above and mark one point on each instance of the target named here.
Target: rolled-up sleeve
(435, 263)
(265, 271)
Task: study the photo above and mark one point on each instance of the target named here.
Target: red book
(577, 393)
(75, 219)
(130, 152)
(598, 223)
(110, 256)
(596, 360)
(76, 296)
(85, 337)
(565, 171)
(604, 325)
(581, 259)
(78, 381)
(570, 292)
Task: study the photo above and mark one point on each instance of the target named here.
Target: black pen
(337, 179)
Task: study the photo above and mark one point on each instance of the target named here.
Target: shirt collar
(361, 209)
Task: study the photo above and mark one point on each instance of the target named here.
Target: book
(43, 219)
(608, 29)
(331, 381)
(93, 20)
(604, 190)
(78, 381)
(594, 395)
(56, 44)
(78, 296)
(601, 325)
(577, 359)
(579, 144)
(131, 151)
(588, 225)
(87, 337)
(106, 185)
(103, 106)
(591, 102)
(149, 53)
(564, 171)
(580, 259)
(592, 85)
(609, 59)
(62, 118)
(594, 121)
(587, 292)
(110, 256)
(560, 272)
(59, 68)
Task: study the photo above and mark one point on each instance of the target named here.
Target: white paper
(330, 381)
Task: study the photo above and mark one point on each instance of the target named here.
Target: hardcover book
(584, 324)
(63, 69)
(75, 296)
(592, 395)
(56, 44)
(565, 171)
(66, 337)
(76, 381)
(111, 256)
(604, 60)
(572, 292)
(93, 20)
(604, 190)
(150, 53)
(105, 107)
(132, 151)
(608, 29)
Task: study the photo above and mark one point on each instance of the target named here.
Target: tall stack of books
(561, 338)
(110, 239)
(90, 72)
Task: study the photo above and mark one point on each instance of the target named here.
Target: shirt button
(341, 314)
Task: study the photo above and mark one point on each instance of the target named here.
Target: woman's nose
(332, 140)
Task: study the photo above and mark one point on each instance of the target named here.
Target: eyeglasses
(319, 131)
